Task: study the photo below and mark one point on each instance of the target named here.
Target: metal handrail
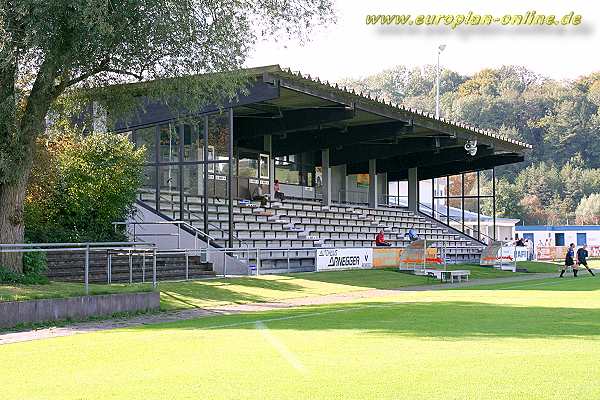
(72, 244)
(191, 213)
(433, 212)
(141, 247)
(178, 234)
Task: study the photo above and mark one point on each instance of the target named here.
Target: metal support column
(326, 177)
(413, 189)
(494, 202)
(373, 183)
(205, 177)
(230, 178)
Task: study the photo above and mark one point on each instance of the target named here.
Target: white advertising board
(513, 253)
(345, 258)
(521, 253)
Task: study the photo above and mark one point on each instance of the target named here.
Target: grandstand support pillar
(268, 148)
(385, 189)
(373, 183)
(413, 189)
(341, 196)
(326, 177)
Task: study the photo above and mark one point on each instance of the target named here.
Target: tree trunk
(12, 226)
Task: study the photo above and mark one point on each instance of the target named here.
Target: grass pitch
(211, 292)
(526, 340)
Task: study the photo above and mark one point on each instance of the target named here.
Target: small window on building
(581, 239)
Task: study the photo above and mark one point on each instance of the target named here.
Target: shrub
(80, 185)
(34, 266)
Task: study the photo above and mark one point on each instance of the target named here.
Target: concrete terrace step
(66, 266)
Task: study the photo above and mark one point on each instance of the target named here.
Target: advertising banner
(362, 180)
(345, 258)
(549, 253)
(521, 253)
(389, 257)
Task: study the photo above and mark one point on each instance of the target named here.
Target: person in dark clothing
(569, 261)
(380, 240)
(582, 255)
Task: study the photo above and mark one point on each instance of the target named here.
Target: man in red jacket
(380, 239)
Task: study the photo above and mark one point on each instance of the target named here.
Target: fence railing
(87, 248)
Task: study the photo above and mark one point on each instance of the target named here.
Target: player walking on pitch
(569, 261)
(582, 255)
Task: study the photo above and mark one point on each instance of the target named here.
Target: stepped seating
(69, 267)
(307, 224)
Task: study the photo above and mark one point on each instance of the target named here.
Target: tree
(588, 210)
(50, 48)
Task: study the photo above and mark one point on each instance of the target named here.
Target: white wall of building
(548, 237)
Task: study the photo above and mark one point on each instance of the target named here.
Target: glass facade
(185, 163)
(464, 201)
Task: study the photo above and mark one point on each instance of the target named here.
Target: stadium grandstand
(296, 163)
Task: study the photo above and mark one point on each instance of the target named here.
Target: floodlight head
(471, 147)
(441, 47)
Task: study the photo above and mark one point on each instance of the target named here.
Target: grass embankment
(204, 293)
(526, 340)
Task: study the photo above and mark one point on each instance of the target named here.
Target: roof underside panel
(309, 116)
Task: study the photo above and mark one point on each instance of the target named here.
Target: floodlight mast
(441, 48)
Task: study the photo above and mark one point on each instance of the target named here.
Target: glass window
(146, 137)
(248, 168)
(169, 179)
(455, 189)
(192, 180)
(288, 172)
(193, 141)
(455, 213)
(439, 187)
(264, 166)
(425, 192)
(218, 135)
(440, 210)
(169, 143)
(147, 192)
(485, 183)
(470, 183)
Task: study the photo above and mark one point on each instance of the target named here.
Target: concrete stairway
(69, 267)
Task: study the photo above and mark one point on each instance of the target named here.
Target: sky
(351, 48)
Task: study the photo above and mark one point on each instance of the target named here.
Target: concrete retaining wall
(34, 311)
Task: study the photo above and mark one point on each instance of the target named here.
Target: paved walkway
(86, 327)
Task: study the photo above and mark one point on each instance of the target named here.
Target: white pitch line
(304, 315)
(281, 348)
